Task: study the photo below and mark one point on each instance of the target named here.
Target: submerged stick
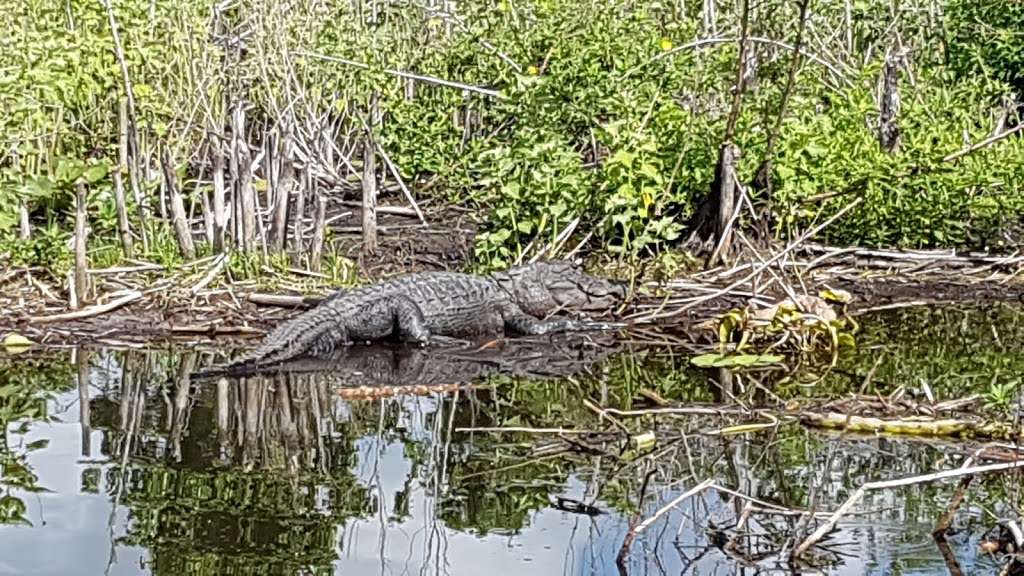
(634, 531)
(825, 528)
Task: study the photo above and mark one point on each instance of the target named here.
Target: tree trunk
(127, 158)
(298, 226)
(24, 225)
(120, 203)
(889, 105)
(81, 274)
(119, 183)
(129, 134)
(713, 219)
(285, 185)
(207, 217)
(177, 205)
(728, 202)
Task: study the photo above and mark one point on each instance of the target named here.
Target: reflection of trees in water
(26, 384)
(229, 475)
(262, 473)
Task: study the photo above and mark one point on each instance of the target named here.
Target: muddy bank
(201, 301)
(236, 317)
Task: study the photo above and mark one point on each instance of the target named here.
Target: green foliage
(542, 186)
(26, 385)
(604, 112)
(987, 38)
(957, 352)
(913, 198)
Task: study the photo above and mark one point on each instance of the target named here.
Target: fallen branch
(283, 300)
(730, 40)
(912, 426)
(525, 430)
(90, 311)
(407, 75)
(212, 273)
(401, 183)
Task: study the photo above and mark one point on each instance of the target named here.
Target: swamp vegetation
(194, 128)
(818, 205)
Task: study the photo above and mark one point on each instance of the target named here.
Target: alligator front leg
(526, 324)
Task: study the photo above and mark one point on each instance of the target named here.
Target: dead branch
(96, 310)
(983, 144)
(408, 75)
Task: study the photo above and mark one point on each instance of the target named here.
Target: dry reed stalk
(319, 224)
(81, 272)
(179, 220)
(369, 207)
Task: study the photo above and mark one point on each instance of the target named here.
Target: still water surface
(130, 467)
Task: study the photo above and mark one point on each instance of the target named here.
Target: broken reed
(254, 167)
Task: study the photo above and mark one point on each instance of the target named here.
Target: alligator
(442, 307)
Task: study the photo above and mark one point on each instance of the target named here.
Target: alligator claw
(601, 326)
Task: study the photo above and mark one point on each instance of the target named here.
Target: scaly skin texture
(439, 306)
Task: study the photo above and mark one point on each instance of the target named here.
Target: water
(130, 467)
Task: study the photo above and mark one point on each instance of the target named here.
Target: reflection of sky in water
(71, 534)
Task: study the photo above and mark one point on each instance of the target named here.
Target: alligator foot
(599, 326)
(449, 341)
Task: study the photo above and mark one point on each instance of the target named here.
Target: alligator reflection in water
(264, 468)
(279, 473)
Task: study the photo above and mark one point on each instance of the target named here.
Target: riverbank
(143, 302)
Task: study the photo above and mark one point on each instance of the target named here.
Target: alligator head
(543, 288)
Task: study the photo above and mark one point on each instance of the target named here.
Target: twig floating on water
(526, 430)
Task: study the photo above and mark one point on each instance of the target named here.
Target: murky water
(131, 467)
